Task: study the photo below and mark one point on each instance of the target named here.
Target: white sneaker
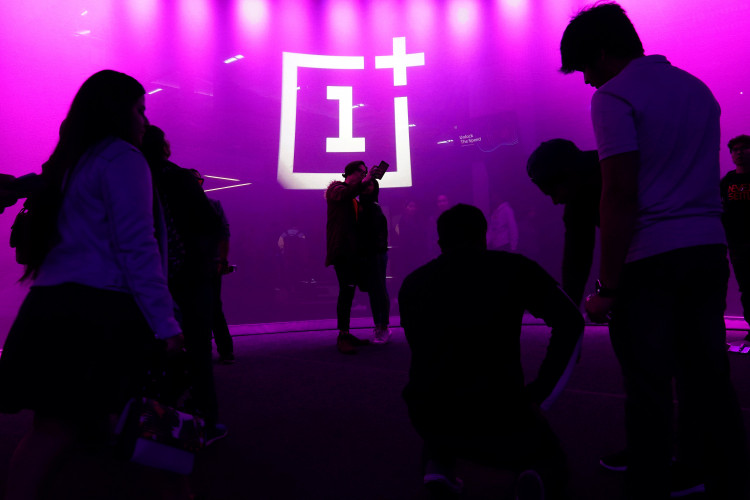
(381, 336)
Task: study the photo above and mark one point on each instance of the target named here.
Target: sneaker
(617, 462)
(226, 359)
(440, 486)
(529, 486)
(344, 344)
(213, 434)
(381, 335)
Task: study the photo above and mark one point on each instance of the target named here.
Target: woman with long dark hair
(373, 237)
(99, 293)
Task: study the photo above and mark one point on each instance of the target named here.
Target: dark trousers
(739, 255)
(222, 337)
(377, 290)
(194, 298)
(668, 322)
(346, 274)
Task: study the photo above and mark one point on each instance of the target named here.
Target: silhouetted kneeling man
(462, 315)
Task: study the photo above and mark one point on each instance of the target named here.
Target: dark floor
(309, 423)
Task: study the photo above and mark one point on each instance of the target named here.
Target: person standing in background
(373, 230)
(342, 246)
(502, 233)
(411, 245)
(193, 228)
(219, 327)
(571, 177)
(735, 199)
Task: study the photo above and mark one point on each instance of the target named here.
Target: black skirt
(73, 352)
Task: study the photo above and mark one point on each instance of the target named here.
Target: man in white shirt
(663, 275)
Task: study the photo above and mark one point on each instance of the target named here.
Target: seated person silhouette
(462, 315)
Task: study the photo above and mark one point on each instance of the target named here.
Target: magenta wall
(490, 72)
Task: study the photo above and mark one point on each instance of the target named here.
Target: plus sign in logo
(345, 142)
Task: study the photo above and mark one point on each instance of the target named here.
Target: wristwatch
(603, 291)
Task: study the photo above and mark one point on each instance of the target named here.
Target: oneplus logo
(345, 142)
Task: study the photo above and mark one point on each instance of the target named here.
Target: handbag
(152, 431)
(156, 435)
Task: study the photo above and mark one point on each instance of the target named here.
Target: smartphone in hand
(379, 170)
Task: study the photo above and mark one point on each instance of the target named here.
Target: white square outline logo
(286, 176)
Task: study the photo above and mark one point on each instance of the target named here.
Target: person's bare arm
(618, 210)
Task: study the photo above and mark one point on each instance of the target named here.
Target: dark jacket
(341, 226)
(193, 219)
(373, 225)
(462, 316)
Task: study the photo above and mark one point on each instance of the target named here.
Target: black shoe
(684, 481)
(357, 342)
(529, 486)
(344, 344)
(617, 462)
(226, 359)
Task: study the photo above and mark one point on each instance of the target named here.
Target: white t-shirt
(672, 119)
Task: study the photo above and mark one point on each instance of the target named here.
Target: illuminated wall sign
(345, 142)
(469, 139)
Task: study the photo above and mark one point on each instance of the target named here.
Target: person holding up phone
(379, 170)
(343, 243)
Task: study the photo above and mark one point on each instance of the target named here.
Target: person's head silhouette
(462, 228)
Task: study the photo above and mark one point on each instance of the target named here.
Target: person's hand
(175, 344)
(6, 181)
(8, 196)
(599, 308)
(368, 177)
